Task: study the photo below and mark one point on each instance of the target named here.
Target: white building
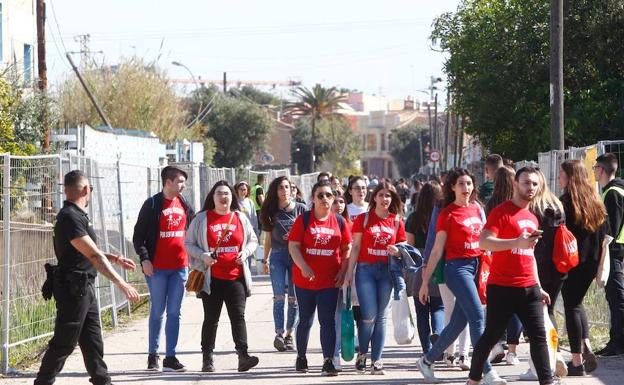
(18, 37)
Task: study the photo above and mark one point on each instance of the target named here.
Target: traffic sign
(434, 156)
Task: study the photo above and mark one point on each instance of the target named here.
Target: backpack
(565, 250)
(306, 220)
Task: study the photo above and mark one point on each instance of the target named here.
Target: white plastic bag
(552, 339)
(604, 264)
(402, 321)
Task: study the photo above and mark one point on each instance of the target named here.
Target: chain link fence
(549, 163)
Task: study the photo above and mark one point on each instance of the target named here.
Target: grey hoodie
(197, 247)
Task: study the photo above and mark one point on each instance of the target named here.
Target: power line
(58, 28)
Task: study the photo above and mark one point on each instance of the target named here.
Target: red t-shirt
(226, 267)
(170, 252)
(463, 227)
(320, 247)
(511, 267)
(378, 235)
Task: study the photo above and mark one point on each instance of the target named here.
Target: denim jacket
(408, 261)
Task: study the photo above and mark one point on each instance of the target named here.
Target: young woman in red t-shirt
(319, 249)
(219, 241)
(372, 242)
(457, 233)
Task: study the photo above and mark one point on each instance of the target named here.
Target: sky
(379, 47)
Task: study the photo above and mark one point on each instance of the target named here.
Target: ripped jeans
(280, 265)
(374, 286)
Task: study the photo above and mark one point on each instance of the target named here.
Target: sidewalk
(126, 357)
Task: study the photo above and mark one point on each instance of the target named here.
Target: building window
(27, 64)
(371, 142)
(0, 33)
(383, 142)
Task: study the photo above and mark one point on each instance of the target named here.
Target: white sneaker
(426, 370)
(337, 365)
(528, 376)
(377, 368)
(497, 354)
(450, 361)
(492, 378)
(512, 359)
(463, 362)
(561, 367)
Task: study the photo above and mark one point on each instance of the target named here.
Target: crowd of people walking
(494, 261)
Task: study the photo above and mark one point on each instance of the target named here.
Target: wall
(18, 28)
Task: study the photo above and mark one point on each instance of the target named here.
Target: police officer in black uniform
(79, 260)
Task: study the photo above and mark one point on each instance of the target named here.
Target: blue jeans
(166, 289)
(309, 300)
(280, 265)
(435, 309)
(374, 286)
(460, 279)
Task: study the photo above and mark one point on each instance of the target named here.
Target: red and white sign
(434, 156)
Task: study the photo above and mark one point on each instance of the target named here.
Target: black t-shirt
(71, 223)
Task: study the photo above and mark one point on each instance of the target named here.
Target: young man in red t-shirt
(511, 233)
(159, 241)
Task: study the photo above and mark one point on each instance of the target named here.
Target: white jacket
(196, 244)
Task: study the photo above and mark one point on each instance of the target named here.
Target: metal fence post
(122, 233)
(6, 234)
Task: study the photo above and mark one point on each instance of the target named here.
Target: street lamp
(197, 87)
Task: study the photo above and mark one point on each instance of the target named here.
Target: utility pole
(43, 71)
(430, 123)
(556, 75)
(88, 91)
(224, 82)
(83, 40)
(446, 126)
(436, 142)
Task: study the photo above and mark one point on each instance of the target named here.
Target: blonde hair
(544, 198)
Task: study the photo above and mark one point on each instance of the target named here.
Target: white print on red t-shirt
(475, 225)
(529, 226)
(227, 249)
(321, 235)
(173, 216)
(382, 234)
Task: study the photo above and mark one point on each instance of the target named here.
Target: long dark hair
(588, 211)
(429, 196)
(503, 188)
(451, 180)
(396, 206)
(209, 202)
(271, 203)
(317, 185)
(347, 194)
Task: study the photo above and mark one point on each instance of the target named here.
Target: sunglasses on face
(322, 195)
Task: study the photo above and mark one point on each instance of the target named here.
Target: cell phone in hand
(537, 233)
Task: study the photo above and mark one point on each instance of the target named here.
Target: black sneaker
(610, 352)
(301, 365)
(289, 343)
(360, 363)
(153, 362)
(328, 368)
(576, 371)
(208, 363)
(279, 343)
(171, 364)
(246, 362)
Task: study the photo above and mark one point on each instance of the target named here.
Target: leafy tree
(316, 104)
(498, 70)
(239, 129)
(405, 149)
(338, 147)
(10, 107)
(134, 95)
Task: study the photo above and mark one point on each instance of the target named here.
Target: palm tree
(315, 103)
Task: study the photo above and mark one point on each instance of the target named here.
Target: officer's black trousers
(77, 322)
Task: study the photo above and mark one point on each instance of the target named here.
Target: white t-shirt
(354, 210)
